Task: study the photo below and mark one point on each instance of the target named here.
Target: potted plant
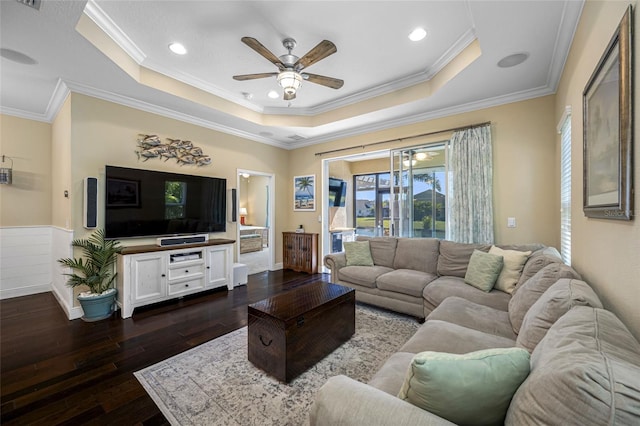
(94, 271)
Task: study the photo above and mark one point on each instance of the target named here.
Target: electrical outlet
(320, 218)
(511, 222)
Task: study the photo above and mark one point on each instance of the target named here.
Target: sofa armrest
(334, 262)
(342, 401)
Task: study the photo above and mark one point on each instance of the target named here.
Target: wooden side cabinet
(300, 252)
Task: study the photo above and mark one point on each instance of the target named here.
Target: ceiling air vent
(31, 3)
(296, 137)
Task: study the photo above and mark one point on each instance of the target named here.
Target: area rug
(215, 384)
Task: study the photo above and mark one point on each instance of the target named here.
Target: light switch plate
(511, 222)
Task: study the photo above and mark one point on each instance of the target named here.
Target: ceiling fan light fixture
(421, 156)
(290, 81)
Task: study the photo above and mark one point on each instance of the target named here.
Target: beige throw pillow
(513, 264)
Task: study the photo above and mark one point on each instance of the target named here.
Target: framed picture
(304, 193)
(608, 131)
(123, 193)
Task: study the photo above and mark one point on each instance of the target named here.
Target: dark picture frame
(122, 193)
(608, 130)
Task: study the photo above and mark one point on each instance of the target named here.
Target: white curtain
(471, 186)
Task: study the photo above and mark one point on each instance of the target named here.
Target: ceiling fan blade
(289, 96)
(321, 51)
(334, 83)
(254, 76)
(266, 53)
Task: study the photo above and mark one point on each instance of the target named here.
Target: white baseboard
(73, 312)
(277, 266)
(24, 291)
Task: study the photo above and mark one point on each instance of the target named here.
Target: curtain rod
(453, 129)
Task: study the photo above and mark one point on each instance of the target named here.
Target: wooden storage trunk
(291, 332)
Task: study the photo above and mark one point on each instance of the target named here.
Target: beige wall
(605, 252)
(27, 201)
(61, 168)
(105, 133)
(525, 185)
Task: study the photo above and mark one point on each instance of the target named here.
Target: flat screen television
(145, 203)
(337, 192)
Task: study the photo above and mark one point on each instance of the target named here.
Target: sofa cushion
(390, 377)
(514, 261)
(358, 253)
(555, 302)
(362, 275)
(406, 281)
(438, 290)
(530, 291)
(383, 249)
(586, 370)
(472, 315)
(536, 261)
(469, 389)
(419, 254)
(483, 270)
(454, 257)
(442, 336)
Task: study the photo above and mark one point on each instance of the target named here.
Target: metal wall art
(150, 146)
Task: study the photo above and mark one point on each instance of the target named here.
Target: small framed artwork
(304, 193)
(608, 130)
(123, 193)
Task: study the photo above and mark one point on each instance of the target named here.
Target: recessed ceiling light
(273, 94)
(417, 34)
(513, 60)
(178, 49)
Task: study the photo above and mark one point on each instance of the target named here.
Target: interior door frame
(272, 215)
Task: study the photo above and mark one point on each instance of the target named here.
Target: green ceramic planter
(97, 308)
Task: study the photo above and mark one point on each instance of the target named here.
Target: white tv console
(150, 273)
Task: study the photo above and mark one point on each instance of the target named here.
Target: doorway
(255, 207)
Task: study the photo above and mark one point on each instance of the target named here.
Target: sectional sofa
(545, 353)
(414, 275)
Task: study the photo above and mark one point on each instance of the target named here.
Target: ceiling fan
(290, 67)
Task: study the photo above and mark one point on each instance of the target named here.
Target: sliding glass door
(418, 197)
(372, 204)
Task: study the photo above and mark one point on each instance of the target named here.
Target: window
(565, 187)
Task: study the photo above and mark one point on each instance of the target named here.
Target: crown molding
(569, 20)
(169, 113)
(202, 85)
(106, 24)
(431, 115)
(58, 96)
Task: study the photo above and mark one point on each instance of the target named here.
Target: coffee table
(292, 331)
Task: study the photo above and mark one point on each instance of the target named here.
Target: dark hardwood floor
(58, 372)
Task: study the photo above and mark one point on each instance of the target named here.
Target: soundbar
(188, 239)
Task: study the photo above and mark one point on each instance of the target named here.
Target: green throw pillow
(483, 270)
(470, 389)
(358, 253)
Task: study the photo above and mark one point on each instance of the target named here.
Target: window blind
(565, 190)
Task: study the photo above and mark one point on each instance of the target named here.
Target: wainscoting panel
(61, 247)
(25, 260)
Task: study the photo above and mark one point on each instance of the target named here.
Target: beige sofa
(585, 364)
(414, 275)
